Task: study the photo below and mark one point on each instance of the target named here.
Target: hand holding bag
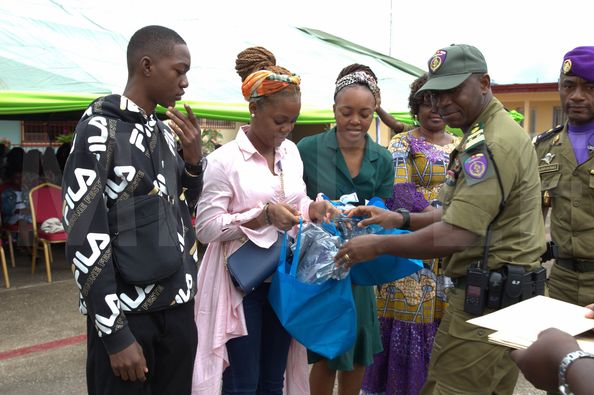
(319, 316)
(384, 268)
(250, 265)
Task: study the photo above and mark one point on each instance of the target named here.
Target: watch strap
(405, 218)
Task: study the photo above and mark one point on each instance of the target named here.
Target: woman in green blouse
(341, 161)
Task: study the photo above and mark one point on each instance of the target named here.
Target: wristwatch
(564, 365)
(405, 217)
(198, 169)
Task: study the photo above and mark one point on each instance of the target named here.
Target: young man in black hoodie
(124, 176)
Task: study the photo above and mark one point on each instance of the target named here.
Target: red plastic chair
(46, 202)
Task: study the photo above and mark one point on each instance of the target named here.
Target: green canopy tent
(60, 55)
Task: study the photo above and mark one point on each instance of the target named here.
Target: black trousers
(168, 339)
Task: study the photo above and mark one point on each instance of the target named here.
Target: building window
(559, 116)
(215, 124)
(44, 133)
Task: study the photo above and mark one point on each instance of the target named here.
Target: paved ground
(42, 343)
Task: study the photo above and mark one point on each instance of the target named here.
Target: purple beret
(579, 62)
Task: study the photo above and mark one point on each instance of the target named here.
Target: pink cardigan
(237, 184)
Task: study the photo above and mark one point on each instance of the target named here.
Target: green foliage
(210, 137)
(65, 138)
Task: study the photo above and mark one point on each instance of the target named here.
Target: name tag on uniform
(548, 168)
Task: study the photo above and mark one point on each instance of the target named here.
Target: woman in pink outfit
(253, 188)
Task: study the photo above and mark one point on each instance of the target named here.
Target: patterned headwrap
(358, 77)
(265, 82)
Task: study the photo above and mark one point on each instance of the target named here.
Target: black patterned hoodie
(110, 161)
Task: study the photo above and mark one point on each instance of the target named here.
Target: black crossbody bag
(143, 229)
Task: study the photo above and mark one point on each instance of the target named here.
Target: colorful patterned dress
(411, 308)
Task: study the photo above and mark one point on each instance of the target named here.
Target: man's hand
(375, 215)
(129, 364)
(540, 362)
(590, 314)
(189, 133)
(359, 249)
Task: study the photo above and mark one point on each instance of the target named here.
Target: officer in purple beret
(566, 167)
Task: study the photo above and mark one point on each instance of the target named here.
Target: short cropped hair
(150, 40)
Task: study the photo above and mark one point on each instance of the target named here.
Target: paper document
(517, 326)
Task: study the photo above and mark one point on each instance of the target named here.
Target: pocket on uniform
(549, 182)
(591, 180)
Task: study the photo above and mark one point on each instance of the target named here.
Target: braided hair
(414, 100)
(254, 59)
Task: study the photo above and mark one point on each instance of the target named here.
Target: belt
(576, 265)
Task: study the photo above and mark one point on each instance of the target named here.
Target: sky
(523, 40)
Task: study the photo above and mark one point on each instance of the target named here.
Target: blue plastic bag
(319, 316)
(384, 268)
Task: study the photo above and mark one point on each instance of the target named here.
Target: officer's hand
(540, 362)
(376, 215)
(129, 364)
(358, 249)
(189, 133)
(590, 313)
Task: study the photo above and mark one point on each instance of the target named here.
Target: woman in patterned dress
(410, 309)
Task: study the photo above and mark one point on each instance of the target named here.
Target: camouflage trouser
(570, 286)
(462, 361)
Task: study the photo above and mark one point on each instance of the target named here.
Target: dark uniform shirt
(471, 194)
(570, 188)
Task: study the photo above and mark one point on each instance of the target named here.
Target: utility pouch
(539, 276)
(496, 284)
(527, 286)
(512, 290)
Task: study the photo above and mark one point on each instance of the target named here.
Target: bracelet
(196, 170)
(267, 214)
(190, 174)
(564, 365)
(405, 218)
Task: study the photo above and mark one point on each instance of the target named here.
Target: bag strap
(295, 262)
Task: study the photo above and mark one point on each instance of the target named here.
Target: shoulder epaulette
(546, 135)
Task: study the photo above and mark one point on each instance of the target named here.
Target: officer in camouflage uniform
(566, 167)
(492, 182)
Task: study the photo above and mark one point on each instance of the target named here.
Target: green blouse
(325, 170)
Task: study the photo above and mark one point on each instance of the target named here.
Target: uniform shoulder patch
(475, 139)
(546, 135)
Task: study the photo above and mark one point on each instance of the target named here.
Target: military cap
(579, 62)
(451, 66)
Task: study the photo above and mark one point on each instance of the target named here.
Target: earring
(253, 115)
